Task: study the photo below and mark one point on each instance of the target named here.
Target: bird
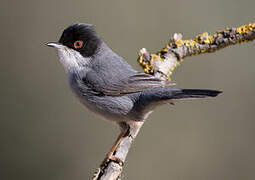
(108, 86)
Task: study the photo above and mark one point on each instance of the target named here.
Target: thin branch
(163, 63)
(113, 170)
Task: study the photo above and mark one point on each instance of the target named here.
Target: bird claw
(113, 159)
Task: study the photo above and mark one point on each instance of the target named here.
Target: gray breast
(108, 107)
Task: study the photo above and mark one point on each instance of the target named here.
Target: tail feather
(195, 93)
(149, 99)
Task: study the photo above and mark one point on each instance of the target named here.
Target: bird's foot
(109, 158)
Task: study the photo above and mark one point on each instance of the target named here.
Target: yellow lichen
(204, 38)
(189, 43)
(209, 39)
(179, 43)
(246, 28)
(203, 50)
(220, 31)
(154, 56)
(195, 46)
(140, 59)
(145, 65)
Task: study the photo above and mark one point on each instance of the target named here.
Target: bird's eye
(78, 44)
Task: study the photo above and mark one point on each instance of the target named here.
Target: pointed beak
(55, 45)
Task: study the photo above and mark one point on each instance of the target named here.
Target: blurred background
(46, 134)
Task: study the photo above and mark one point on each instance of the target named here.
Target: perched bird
(108, 86)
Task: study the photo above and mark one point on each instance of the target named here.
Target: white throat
(72, 60)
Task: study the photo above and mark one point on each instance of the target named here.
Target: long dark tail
(195, 93)
(154, 97)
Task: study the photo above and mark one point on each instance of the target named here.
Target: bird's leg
(110, 154)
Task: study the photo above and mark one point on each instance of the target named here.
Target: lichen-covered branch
(163, 63)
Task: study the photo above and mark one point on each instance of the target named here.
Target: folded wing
(115, 86)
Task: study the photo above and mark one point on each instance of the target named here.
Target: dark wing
(116, 86)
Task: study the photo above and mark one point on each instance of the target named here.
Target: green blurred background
(45, 134)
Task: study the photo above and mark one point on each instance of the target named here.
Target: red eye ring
(78, 44)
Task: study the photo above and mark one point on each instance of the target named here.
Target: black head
(82, 38)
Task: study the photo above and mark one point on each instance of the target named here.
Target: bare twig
(162, 64)
(113, 170)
